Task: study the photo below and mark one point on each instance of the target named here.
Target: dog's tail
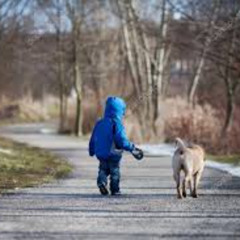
(180, 144)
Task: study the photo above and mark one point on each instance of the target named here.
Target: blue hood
(115, 108)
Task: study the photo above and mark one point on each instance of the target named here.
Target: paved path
(148, 209)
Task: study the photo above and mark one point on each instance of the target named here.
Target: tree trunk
(159, 68)
(230, 85)
(77, 78)
(197, 75)
(128, 44)
(146, 73)
(229, 111)
(135, 58)
(62, 95)
(78, 90)
(61, 112)
(144, 69)
(61, 79)
(78, 120)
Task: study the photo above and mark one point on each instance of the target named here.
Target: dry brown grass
(199, 124)
(133, 129)
(28, 110)
(90, 115)
(196, 123)
(231, 142)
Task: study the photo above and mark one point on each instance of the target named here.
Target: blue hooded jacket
(109, 137)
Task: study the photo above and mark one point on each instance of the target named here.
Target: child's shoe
(116, 193)
(103, 189)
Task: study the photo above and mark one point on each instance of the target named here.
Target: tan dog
(191, 161)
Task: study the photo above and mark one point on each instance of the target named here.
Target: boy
(107, 142)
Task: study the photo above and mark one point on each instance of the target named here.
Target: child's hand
(137, 153)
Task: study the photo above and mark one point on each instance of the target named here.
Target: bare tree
(205, 48)
(55, 12)
(160, 55)
(11, 28)
(75, 12)
(146, 66)
(230, 73)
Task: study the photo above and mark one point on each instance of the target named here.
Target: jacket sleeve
(121, 139)
(91, 147)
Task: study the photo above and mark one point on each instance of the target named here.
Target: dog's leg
(187, 180)
(177, 179)
(190, 182)
(197, 177)
(184, 193)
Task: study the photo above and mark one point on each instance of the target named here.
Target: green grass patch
(24, 166)
(231, 159)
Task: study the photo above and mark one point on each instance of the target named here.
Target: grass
(24, 166)
(231, 159)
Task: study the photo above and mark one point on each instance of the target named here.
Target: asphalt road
(148, 208)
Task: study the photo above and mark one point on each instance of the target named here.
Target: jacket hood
(115, 107)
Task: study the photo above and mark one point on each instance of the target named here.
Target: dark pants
(112, 168)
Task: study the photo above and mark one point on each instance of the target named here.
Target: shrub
(198, 124)
(27, 110)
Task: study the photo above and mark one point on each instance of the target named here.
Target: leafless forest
(175, 62)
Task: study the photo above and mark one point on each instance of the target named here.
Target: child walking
(107, 143)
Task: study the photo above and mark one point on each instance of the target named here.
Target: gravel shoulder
(148, 209)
